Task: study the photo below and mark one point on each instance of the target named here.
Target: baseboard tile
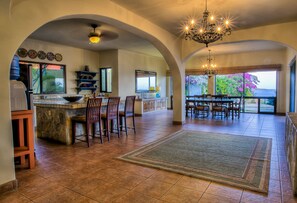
(9, 186)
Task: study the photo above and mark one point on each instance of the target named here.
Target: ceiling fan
(94, 37)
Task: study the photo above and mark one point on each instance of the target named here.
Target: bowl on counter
(73, 98)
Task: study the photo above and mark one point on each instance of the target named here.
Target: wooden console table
(25, 135)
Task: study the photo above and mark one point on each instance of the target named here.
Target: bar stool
(112, 112)
(93, 115)
(128, 112)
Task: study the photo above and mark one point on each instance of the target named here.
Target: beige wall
(110, 59)
(249, 59)
(124, 63)
(131, 61)
(74, 58)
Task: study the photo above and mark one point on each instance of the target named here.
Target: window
(106, 80)
(231, 84)
(196, 85)
(145, 81)
(46, 78)
(258, 90)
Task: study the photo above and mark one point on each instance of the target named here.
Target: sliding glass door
(258, 90)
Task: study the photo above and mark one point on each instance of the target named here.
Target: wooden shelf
(85, 81)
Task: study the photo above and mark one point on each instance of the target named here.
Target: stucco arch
(280, 33)
(19, 18)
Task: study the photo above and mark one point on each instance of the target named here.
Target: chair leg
(100, 132)
(118, 127)
(125, 121)
(87, 134)
(134, 124)
(121, 123)
(107, 129)
(73, 131)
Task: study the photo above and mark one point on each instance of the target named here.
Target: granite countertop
(61, 103)
(293, 117)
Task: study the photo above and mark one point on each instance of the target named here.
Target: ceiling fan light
(94, 38)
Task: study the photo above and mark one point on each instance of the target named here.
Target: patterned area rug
(241, 161)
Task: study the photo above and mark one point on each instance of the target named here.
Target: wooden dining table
(228, 101)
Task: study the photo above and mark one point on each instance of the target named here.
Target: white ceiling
(169, 14)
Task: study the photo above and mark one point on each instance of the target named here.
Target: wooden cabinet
(85, 81)
(149, 105)
(290, 144)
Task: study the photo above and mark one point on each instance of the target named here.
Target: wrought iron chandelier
(208, 29)
(210, 67)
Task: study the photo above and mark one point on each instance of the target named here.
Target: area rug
(237, 160)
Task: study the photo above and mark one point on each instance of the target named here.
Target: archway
(19, 18)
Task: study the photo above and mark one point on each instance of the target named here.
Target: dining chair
(236, 107)
(190, 105)
(112, 113)
(128, 112)
(201, 108)
(93, 115)
(219, 108)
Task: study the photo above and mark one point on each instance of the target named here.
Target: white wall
(250, 59)
(74, 58)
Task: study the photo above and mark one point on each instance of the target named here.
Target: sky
(267, 79)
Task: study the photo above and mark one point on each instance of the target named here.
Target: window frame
(106, 79)
(41, 64)
(149, 74)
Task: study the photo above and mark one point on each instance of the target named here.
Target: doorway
(292, 84)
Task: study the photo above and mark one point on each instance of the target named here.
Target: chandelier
(210, 68)
(208, 29)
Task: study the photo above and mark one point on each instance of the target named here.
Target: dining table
(195, 100)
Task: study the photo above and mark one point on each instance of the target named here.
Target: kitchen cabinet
(143, 106)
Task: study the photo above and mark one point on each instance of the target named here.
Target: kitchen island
(54, 118)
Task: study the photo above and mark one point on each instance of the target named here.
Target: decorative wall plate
(22, 52)
(50, 56)
(58, 57)
(32, 53)
(41, 55)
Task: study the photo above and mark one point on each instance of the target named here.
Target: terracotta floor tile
(254, 197)
(225, 191)
(152, 188)
(167, 177)
(134, 197)
(13, 197)
(94, 174)
(193, 183)
(181, 194)
(63, 195)
(209, 198)
(106, 192)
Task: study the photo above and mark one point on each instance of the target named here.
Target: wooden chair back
(129, 105)
(93, 111)
(112, 110)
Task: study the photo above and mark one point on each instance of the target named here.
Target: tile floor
(80, 174)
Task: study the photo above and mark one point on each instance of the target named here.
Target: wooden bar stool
(128, 112)
(112, 112)
(25, 135)
(93, 115)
